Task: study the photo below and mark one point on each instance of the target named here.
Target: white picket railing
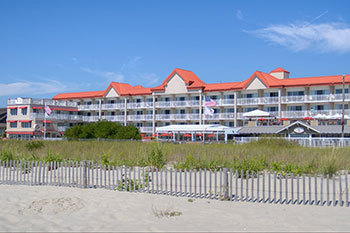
(218, 184)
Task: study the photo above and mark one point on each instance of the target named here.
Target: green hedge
(103, 129)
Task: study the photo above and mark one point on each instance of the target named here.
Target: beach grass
(266, 154)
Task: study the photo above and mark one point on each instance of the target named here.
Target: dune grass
(267, 154)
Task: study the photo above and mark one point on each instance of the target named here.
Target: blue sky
(48, 47)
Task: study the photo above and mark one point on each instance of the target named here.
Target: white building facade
(180, 99)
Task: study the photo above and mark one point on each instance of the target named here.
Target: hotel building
(180, 100)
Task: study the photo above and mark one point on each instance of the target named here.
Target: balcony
(88, 107)
(147, 117)
(317, 114)
(41, 102)
(258, 100)
(174, 104)
(140, 105)
(113, 118)
(314, 98)
(177, 117)
(113, 106)
(56, 117)
(90, 118)
(146, 129)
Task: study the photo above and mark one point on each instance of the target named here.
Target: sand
(46, 208)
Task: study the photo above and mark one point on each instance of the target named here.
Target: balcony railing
(140, 105)
(177, 116)
(314, 98)
(113, 106)
(317, 114)
(56, 116)
(146, 129)
(174, 104)
(147, 117)
(258, 100)
(42, 102)
(89, 107)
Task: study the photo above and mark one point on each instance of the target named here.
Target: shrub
(33, 145)
(6, 155)
(156, 158)
(52, 157)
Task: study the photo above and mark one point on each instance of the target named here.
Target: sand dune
(43, 208)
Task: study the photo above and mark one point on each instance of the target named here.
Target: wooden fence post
(225, 184)
(85, 175)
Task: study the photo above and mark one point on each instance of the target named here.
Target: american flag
(47, 110)
(209, 102)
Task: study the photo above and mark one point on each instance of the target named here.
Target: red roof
(279, 69)
(193, 82)
(79, 95)
(190, 79)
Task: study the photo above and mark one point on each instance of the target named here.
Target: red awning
(211, 135)
(308, 118)
(47, 121)
(36, 107)
(26, 121)
(65, 109)
(164, 134)
(12, 107)
(284, 119)
(155, 135)
(187, 135)
(23, 107)
(19, 132)
(262, 119)
(199, 134)
(12, 121)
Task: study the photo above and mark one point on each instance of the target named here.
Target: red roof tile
(191, 80)
(279, 69)
(79, 95)
(315, 81)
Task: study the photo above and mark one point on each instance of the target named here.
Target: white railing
(140, 105)
(113, 118)
(147, 117)
(177, 117)
(185, 103)
(223, 102)
(56, 116)
(89, 107)
(258, 100)
(41, 102)
(327, 114)
(314, 98)
(304, 141)
(90, 118)
(146, 129)
(113, 106)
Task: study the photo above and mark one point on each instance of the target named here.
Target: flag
(208, 111)
(47, 110)
(209, 102)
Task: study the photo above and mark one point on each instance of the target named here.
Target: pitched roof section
(221, 86)
(191, 80)
(279, 69)
(79, 95)
(268, 80)
(315, 81)
(125, 89)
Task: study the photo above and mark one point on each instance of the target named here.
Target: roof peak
(279, 69)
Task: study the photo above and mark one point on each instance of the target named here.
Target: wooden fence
(222, 184)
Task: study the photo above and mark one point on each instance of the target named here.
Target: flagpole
(45, 122)
(343, 109)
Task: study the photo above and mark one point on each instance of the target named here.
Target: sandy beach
(45, 208)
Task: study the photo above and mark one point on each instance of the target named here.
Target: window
(271, 109)
(340, 91)
(296, 108)
(229, 110)
(24, 111)
(249, 109)
(319, 92)
(182, 98)
(13, 112)
(13, 124)
(26, 124)
(214, 97)
(231, 97)
(250, 95)
(340, 106)
(194, 97)
(271, 94)
(295, 93)
(182, 111)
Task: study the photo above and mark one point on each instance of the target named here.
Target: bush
(104, 130)
(33, 145)
(6, 155)
(156, 158)
(52, 157)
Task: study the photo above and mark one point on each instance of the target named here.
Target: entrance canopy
(256, 113)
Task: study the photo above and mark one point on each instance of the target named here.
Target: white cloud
(107, 75)
(239, 15)
(74, 59)
(132, 62)
(30, 88)
(324, 37)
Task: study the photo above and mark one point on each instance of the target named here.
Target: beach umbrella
(284, 119)
(307, 118)
(262, 119)
(187, 135)
(199, 134)
(211, 135)
(164, 134)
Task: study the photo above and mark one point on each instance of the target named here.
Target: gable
(111, 93)
(256, 84)
(175, 85)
